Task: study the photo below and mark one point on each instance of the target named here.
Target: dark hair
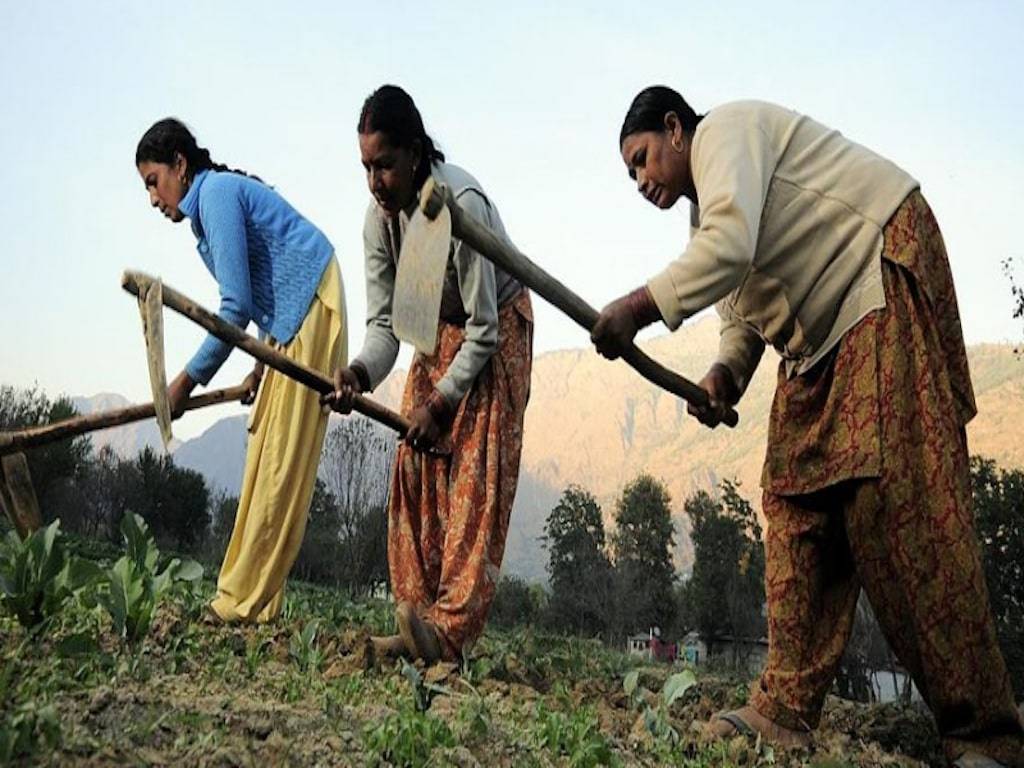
(392, 111)
(648, 110)
(170, 137)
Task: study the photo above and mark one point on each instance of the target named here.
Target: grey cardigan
(473, 288)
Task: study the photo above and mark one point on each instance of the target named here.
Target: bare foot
(756, 723)
(419, 636)
(388, 647)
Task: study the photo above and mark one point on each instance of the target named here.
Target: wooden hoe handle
(12, 442)
(236, 337)
(499, 252)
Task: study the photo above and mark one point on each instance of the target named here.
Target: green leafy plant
(677, 686)
(257, 649)
(303, 647)
(25, 729)
(407, 738)
(575, 736)
(656, 717)
(135, 586)
(37, 576)
(473, 720)
(423, 692)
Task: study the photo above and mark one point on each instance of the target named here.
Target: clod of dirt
(460, 757)
(100, 700)
(440, 672)
(640, 734)
(259, 729)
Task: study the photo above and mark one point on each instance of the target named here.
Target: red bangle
(641, 305)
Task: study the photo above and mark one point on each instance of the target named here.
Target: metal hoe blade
(151, 307)
(420, 280)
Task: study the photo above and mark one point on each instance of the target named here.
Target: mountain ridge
(597, 424)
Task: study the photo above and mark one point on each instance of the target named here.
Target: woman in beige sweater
(809, 242)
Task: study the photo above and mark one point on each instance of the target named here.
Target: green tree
(52, 466)
(318, 558)
(581, 577)
(999, 522)
(1016, 291)
(101, 498)
(513, 604)
(223, 509)
(642, 551)
(174, 502)
(725, 594)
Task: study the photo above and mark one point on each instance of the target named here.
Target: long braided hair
(170, 137)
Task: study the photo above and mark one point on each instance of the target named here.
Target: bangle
(641, 304)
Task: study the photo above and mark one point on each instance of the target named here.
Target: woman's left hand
(252, 383)
(423, 429)
(178, 393)
(615, 328)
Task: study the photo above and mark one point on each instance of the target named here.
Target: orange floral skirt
(448, 515)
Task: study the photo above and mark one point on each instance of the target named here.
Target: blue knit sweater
(266, 258)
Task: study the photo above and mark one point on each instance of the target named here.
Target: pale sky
(529, 98)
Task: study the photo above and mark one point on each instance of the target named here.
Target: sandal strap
(975, 760)
(736, 720)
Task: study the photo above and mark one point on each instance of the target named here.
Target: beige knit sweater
(787, 235)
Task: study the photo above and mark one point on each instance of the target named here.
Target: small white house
(639, 645)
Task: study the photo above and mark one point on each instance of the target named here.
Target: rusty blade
(420, 280)
(151, 308)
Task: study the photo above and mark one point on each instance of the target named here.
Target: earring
(678, 148)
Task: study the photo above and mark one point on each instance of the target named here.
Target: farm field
(307, 691)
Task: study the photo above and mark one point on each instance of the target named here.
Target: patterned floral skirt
(867, 486)
(448, 515)
(826, 424)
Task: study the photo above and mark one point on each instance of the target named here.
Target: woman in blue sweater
(273, 267)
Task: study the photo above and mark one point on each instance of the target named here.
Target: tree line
(610, 585)
(91, 490)
(602, 583)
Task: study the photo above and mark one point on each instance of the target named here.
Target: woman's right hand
(346, 387)
(722, 393)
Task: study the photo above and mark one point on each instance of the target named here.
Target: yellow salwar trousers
(286, 432)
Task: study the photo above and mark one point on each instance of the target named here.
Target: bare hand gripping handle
(236, 337)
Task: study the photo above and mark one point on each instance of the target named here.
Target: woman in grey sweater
(455, 475)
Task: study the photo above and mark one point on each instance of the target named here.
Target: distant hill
(126, 440)
(598, 424)
(218, 454)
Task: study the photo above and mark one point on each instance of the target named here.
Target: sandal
(744, 722)
(976, 760)
(388, 647)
